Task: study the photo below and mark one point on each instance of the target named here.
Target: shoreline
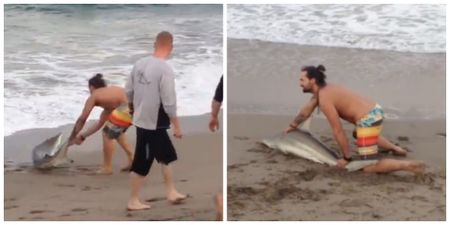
(13, 149)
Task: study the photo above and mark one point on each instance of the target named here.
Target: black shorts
(150, 145)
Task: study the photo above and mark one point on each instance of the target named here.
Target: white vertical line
(224, 111)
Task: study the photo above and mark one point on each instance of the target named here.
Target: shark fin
(306, 125)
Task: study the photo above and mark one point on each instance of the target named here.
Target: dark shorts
(150, 145)
(112, 131)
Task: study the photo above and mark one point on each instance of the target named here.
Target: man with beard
(339, 102)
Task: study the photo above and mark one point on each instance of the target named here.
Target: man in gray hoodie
(152, 100)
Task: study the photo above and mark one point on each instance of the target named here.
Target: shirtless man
(115, 114)
(338, 102)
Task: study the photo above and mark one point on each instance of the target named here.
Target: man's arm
(169, 100)
(332, 115)
(129, 89)
(88, 106)
(215, 106)
(103, 118)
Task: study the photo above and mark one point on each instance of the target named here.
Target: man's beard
(305, 90)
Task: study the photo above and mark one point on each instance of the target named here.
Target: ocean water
(52, 50)
(406, 28)
(406, 73)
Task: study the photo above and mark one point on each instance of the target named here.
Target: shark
(302, 143)
(51, 153)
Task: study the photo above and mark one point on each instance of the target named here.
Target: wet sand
(264, 184)
(74, 193)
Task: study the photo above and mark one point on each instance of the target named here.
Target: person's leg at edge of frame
(219, 206)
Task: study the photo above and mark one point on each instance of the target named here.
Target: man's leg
(136, 184)
(108, 150)
(123, 142)
(386, 144)
(171, 192)
(391, 165)
(219, 206)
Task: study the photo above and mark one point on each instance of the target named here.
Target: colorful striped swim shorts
(368, 130)
(118, 122)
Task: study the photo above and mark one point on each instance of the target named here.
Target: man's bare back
(109, 97)
(349, 105)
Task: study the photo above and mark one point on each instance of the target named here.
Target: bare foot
(135, 205)
(103, 171)
(397, 150)
(417, 167)
(177, 198)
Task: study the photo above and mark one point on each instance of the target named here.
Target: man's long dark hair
(317, 73)
(97, 81)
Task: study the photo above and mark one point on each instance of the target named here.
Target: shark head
(50, 153)
(303, 144)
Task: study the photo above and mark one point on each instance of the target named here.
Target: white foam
(46, 72)
(412, 28)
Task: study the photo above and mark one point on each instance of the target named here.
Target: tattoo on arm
(300, 118)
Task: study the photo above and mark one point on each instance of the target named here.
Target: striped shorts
(368, 130)
(118, 122)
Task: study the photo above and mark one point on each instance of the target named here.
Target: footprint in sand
(272, 161)
(38, 211)
(354, 203)
(307, 175)
(86, 188)
(11, 207)
(241, 138)
(376, 216)
(403, 138)
(37, 218)
(65, 185)
(79, 210)
(183, 180)
(10, 199)
(334, 184)
(419, 198)
(257, 150)
(235, 166)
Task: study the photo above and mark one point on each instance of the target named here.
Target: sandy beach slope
(73, 193)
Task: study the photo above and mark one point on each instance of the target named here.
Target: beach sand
(263, 97)
(74, 193)
(264, 184)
